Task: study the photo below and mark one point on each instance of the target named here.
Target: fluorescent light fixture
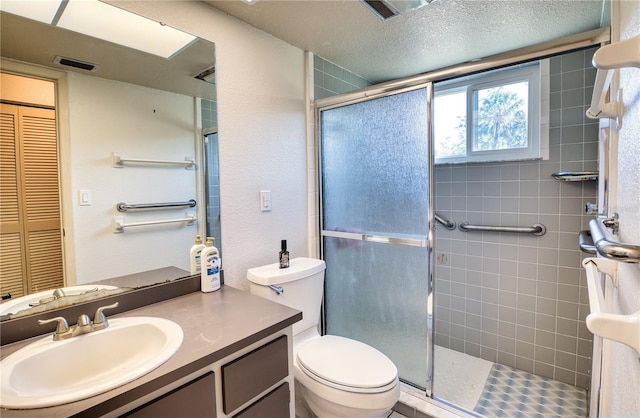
(103, 21)
(41, 10)
(100, 20)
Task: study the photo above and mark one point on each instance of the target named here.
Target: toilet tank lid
(299, 268)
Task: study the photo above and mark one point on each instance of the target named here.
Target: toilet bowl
(340, 377)
(335, 376)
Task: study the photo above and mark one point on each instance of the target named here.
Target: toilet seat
(347, 365)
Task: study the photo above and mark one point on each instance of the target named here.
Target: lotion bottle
(210, 271)
(284, 254)
(194, 255)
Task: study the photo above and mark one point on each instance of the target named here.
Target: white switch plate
(265, 200)
(85, 198)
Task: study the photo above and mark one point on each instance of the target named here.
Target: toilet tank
(302, 287)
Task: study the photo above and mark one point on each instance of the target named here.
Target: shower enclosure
(375, 226)
(443, 303)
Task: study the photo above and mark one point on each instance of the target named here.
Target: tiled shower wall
(330, 79)
(520, 299)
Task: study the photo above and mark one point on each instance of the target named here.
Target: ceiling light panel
(41, 10)
(100, 20)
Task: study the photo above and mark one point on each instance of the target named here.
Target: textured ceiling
(443, 33)
(344, 32)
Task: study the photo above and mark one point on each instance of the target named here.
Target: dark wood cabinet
(250, 375)
(273, 405)
(196, 399)
(262, 371)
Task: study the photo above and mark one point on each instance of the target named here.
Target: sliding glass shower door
(375, 168)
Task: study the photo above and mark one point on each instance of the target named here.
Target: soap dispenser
(210, 271)
(194, 255)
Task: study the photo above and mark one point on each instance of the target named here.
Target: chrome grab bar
(450, 225)
(609, 248)
(123, 207)
(585, 242)
(536, 229)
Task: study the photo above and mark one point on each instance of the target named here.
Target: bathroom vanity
(235, 361)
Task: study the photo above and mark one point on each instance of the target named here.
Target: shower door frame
(428, 243)
(589, 38)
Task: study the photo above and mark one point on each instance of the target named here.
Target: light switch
(265, 200)
(85, 198)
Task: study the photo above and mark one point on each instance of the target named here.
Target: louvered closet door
(30, 232)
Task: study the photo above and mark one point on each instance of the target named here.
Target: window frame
(537, 75)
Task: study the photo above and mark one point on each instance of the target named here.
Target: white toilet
(336, 376)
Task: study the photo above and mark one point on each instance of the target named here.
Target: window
(494, 116)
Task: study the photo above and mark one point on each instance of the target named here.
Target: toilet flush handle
(279, 290)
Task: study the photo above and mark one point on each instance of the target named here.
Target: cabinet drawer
(253, 373)
(274, 405)
(196, 399)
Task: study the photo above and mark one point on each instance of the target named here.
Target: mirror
(142, 106)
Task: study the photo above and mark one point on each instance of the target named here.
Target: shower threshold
(414, 403)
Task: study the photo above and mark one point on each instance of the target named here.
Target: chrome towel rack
(449, 224)
(607, 246)
(536, 229)
(118, 161)
(120, 225)
(123, 207)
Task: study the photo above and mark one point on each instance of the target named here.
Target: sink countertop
(215, 325)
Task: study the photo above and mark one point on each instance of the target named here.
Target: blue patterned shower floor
(509, 392)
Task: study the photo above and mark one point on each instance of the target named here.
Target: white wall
(261, 118)
(107, 116)
(624, 393)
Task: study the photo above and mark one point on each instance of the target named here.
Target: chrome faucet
(84, 324)
(57, 294)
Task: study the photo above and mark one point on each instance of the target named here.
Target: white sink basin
(48, 373)
(12, 306)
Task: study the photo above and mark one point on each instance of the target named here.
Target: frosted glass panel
(374, 165)
(375, 182)
(377, 294)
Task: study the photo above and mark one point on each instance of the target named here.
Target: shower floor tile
(514, 393)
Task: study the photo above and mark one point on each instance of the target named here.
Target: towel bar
(119, 223)
(624, 329)
(118, 161)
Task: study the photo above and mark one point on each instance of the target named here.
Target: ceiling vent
(208, 75)
(77, 64)
(386, 9)
(380, 9)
